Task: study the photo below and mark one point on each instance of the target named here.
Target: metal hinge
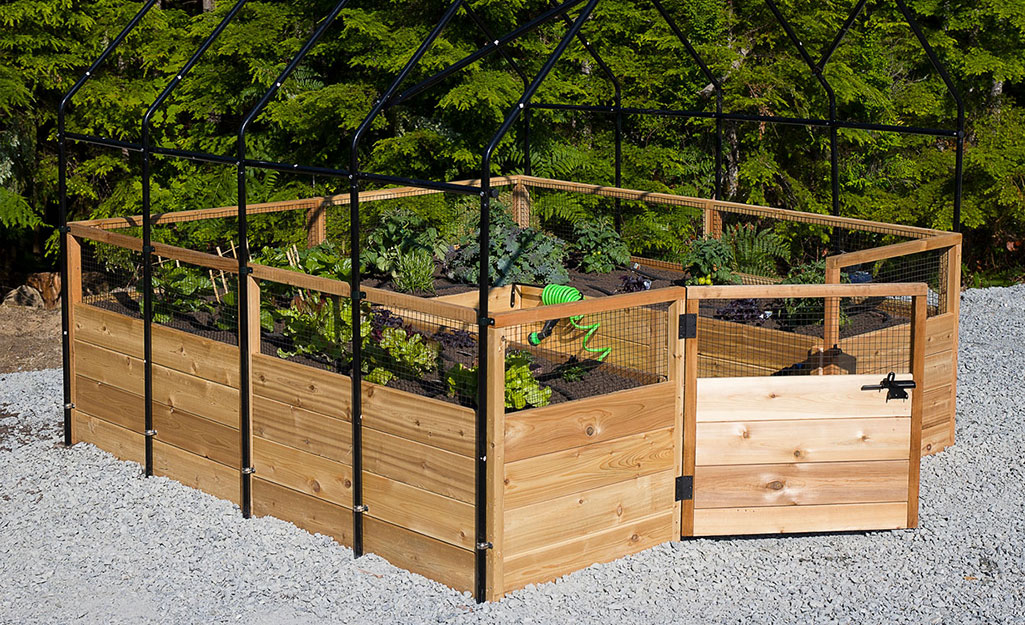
(689, 326)
(685, 488)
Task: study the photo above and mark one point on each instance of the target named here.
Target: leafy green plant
(414, 271)
(407, 354)
(808, 310)
(324, 260)
(320, 326)
(709, 260)
(574, 370)
(598, 247)
(399, 237)
(522, 255)
(756, 251)
(179, 290)
(521, 387)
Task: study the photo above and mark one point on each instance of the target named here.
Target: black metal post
(62, 190)
(954, 93)
(483, 319)
(147, 248)
(243, 259)
(358, 508)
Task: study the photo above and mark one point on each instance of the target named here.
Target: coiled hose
(559, 294)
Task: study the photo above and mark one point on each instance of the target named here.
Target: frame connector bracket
(148, 249)
(248, 471)
(484, 546)
(485, 321)
(685, 488)
(64, 229)
(688, 326)
(361, 509)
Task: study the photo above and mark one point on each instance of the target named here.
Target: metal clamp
(151, 432)
(484, 545)
(360, 508)
(248, 470)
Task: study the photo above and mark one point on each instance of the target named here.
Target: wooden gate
(779, 435)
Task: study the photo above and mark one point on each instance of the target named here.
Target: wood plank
(568, 517)
(712, 367)
(309, 513)
(939, 368)
(420, 554)
(197, 435)
(940, 333)
(546, 477)
(936, 406)
(172, 388)
(548, 563)
(918, 342)
(416, 464)
(690, 403)
(120, 442)
(73, 297)
(953, 294)
(567, 425)
(494, 464)
(677, 377)
(111, 403)
(302, 429)
(195, 471)
(588, 306)
(174, 349)
(756, 291)
(422, 511)
(301, 386)
(936, 438)
(809, 440)
(917, 246)
(163, 250)
(798, 519)
(795, 397)
(306, 473)
(423, 419)
(800, 484)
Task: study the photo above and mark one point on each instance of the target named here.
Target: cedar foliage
(879, 74)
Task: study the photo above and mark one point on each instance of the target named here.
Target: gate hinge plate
(689, 326)
(684, 488)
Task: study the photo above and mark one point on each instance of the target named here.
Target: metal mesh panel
(789, 336)
(306, 326)
(194, 299)
(109, 277)
(929, 267)
(592, 354)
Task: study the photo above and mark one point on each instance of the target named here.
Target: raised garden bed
(753, 403)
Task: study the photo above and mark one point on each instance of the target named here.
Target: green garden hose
(559, 294)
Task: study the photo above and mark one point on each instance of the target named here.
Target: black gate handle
(894, 387)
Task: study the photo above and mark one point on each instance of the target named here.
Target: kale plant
(598, 247)
(399, 239)
(516, 255)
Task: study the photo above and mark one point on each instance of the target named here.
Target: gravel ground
(85, 539)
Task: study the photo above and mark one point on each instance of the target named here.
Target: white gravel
(85, 539)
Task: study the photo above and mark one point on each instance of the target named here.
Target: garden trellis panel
(203, 393)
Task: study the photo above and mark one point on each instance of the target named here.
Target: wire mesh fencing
(557, 359)
(785, 336)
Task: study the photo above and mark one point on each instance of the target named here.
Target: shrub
(399, 236)
(414, 271)
(709, 260)
(756, 251)
(598, 247)
(523, 255)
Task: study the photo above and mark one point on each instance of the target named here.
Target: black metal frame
(391, 97)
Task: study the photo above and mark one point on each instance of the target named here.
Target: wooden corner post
(495, 583)
(712, 221)
(690, 413)
(952, 260)
(253, 296)
(316, 224)
(521, 205)
(831, 320)
(676, 376)
(919, 313)
(73, 256)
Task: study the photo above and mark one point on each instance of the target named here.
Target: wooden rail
(588, 306)
(185, 255)
(756, 291)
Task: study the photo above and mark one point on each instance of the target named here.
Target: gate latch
(894, 387)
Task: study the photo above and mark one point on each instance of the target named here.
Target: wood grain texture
(309, 513)
(416, 464)
(174, 349)
(568, 517)
(743, 291)
(567, 425)
(306, 473)
(162, 250)
(301, 386)
(690, 404)
(422, 419)
(196, 471)
(588, 306)
(122, 443)
(769, 350)
(809, 440)
(919, 332)
(420, 554)
(111, 403)
(795, 397)
(798, 519)
(548, 563)
(575, 470)
(172, 388)
(800, 484)
(494, 464)
(420, 510)
(302, 429)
